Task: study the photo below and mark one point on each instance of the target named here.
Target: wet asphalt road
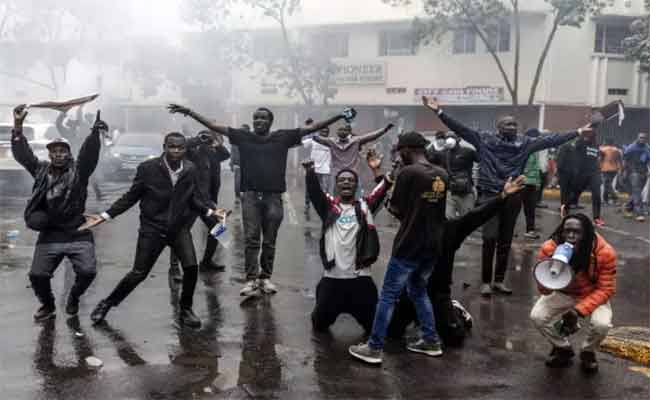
(265, 348)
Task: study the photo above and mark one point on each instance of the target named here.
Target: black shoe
(209, 265)
(44, 313)
(189, 319)
(588, 361)
(72, 306)
(99, 313)
(560, 357)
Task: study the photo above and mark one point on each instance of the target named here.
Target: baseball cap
(412, 140)
(58, 141)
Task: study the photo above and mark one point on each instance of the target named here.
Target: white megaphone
(555, 273)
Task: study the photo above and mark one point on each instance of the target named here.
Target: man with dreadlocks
(594, 283)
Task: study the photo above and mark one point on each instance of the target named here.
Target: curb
(629, 342)
(554, 194)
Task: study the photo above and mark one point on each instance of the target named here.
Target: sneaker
(486, 290)
(541, 205)
(99, 313)
(500, 287)
(189, 319)
(211, 266)
(44, 313)
(432, 349)
(588, 361)
(599, 222)
(640, 218)
(364, 353)
(627, 214)
(531, 235)
(267, 286)
(560, 357)
(249, 288)
(72, 306)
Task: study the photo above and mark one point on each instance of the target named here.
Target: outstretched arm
(556, 139)
(20, 147)
(372, 136)
(461, 130)
(89, 153)
(178, 109)
(321, 140)
(317, 126)
(316, 194)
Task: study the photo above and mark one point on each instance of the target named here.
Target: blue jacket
(499, 157)
(638, 156)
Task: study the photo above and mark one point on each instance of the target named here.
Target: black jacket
(66, 209)
(458, 162)
(326, 206)
(208, 163)
(164, 208)
(501, 157)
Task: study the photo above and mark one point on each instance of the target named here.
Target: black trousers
(497, 236)
(529, 198)
(357, 297)
(148, 249)
(540, 192)
(565, 179)
(592, 182)
(211, 244)
(608, 192)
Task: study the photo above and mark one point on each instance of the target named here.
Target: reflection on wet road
(265, 348)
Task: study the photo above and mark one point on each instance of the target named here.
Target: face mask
(450, 143)
(440, 143)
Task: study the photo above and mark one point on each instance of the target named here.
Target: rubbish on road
(631, 342)
(94, 362)
(79, 334)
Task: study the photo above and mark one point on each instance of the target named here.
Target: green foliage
(637, 45)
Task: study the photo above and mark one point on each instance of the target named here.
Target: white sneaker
(267, 286)
(249, 288)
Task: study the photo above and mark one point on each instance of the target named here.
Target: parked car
(129, 150)
(13, 177)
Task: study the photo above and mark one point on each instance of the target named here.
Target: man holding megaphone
(576, 276)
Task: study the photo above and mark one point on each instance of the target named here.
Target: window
(617, 92)
(396, 43)
(464, 41)
(499, 37)
(331, 44)
(609, 38)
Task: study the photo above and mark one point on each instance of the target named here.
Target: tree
(300, 70)
(637, 45)
(51, 33)
(485, 16)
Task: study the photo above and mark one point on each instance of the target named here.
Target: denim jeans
(637, 182)
(262, 214)
(413, 274)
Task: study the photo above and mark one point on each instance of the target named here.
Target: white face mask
(440, 143)
(450, 143)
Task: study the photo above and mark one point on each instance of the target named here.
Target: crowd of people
(431, 190)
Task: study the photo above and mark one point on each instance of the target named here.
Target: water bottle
(221, 233)
(12, 238)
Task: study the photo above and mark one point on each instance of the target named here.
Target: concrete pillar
(643, 92)
(602, 87)
(634, 95)
(542, 116)
(593, 81)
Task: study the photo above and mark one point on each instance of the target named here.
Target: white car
(12, 174)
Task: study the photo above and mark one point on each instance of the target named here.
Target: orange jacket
(594, 287)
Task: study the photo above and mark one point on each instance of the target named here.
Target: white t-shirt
(341, 245)
(320, 155)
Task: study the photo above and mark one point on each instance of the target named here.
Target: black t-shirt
(419, 199)
(263, 158)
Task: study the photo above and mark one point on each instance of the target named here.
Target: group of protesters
(430, 189)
